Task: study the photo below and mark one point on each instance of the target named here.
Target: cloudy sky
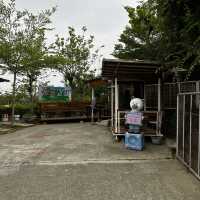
(105, 19)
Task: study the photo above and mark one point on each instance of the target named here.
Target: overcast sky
(105, 19)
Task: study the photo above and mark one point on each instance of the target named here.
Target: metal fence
(188, 130)
(169, 93)
(151, 96)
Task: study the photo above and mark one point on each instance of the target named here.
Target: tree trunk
(13, 99)
(31, 93)
(71, 84)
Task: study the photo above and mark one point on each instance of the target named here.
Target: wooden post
(116, 106)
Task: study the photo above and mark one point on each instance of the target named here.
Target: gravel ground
(81, 161)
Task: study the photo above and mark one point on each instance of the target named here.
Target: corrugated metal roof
(138, 70)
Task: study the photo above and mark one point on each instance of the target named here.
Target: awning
(136, 70)
(97, 82)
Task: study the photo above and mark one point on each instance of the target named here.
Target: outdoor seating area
(99, 100)
(144, 80)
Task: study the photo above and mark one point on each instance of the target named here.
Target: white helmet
(136, 104)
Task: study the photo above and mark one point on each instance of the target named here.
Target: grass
(7, 129)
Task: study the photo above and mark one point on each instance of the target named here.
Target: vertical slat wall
(151, 97)
(170, 91)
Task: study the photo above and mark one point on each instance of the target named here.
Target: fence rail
(188, 131)
(169, 93)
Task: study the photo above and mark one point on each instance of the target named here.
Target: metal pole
(159, 105)
(199, 144)
(116, 105)
(177, 126)
(118, 128)
(179, 88)
(112, 110)
(190, 153)
(159, 94)
(92, 114)
(183, 125)
(197, 86)
(145, 99)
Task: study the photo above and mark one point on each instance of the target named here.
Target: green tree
(77, 51)
(165, 31)
(34, 48)
(21, 36)
(11, 41)
(140, 38)
(181, 32)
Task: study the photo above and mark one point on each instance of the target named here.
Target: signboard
(50, 93)
(134, 118)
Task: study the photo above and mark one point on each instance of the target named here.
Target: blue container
(134, 141)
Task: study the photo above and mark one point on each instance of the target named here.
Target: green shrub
(5, 109)
(20, 109)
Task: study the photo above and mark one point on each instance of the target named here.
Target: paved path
(80, 161)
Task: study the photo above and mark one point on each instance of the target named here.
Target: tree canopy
(22, 48)
(165, 31)
(79, 55)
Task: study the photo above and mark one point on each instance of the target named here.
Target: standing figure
(133, 138)
(134, 117)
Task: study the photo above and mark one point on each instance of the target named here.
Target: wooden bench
(62, 109)
(149, 123)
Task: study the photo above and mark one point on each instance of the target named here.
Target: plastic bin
(134, 141)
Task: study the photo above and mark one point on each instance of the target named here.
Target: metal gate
(188, 131)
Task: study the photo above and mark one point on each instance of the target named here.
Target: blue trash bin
(134, 141)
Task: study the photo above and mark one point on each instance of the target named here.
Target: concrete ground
(80, 161)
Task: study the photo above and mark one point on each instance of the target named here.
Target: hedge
(20, 109)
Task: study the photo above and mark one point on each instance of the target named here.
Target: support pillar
(92, 106)
(159, 106)
(112, 103)
(145, 105)
(116, 105)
